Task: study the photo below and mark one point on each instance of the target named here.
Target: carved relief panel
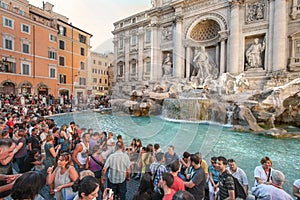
(167, 34)
(255, 11)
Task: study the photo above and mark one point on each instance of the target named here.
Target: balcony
(7, 67)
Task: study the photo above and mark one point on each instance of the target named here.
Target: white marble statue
(254, 54)
(201, 62)
(167, 66)
(153, 3)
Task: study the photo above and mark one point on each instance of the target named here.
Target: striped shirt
(160, 168)
(226, 183)
(118, 164)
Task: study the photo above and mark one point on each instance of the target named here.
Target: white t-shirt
(69, 132)
(297, 183)
(260, 173)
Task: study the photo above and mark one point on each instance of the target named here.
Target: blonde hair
(49, 137)
(67, 157)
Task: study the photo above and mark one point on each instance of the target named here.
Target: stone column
(188, 62)
(269, 49)
(178, 61)
(126, 50)
(234, 36)
(223, 38)
(155, 62)
(140, 66)
(115, 41)
(218, 54)
(280, 35)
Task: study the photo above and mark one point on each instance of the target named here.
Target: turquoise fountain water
(210, 139)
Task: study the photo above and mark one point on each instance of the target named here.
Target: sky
(96, 16)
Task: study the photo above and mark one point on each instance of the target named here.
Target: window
(25, 48)
(121, 44)
(82, 65)
(105, 81)
(148, 67)
(94, 80)
(133, 40)
(82, 81)
(52, 72)
(25, 69)
(94, 61)
(133, 68)
(99, 62)
(62, 30)
(8, 44)
(82, 51)
(98, 71)
(133, 20)
(62, 78)
(82, 38)
(3, 5)
(25, 28)
(297, 52)
(148, 36)
(9, 23)
(61, 61)
(121, 70)
(61, 44)
(13, 67)
(100, 80)
(105, 64)
(52, 38)
(52, 55)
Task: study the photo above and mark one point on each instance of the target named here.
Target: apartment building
(41, 52)
(100, 80)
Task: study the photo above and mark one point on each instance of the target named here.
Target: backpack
(239, 189)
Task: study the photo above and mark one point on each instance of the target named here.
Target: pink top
(94, 166)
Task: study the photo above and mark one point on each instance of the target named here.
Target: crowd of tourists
(78, 163)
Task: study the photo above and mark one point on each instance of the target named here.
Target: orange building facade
(41, 53)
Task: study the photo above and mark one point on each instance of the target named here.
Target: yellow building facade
(100, 81)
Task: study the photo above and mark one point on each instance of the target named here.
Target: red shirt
(11, 124)
(169, 196)
(178, 184)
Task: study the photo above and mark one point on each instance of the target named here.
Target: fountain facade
(235, 52)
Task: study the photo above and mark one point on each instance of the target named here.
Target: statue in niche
(254, 54)
(167, 66)
(203, 66)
